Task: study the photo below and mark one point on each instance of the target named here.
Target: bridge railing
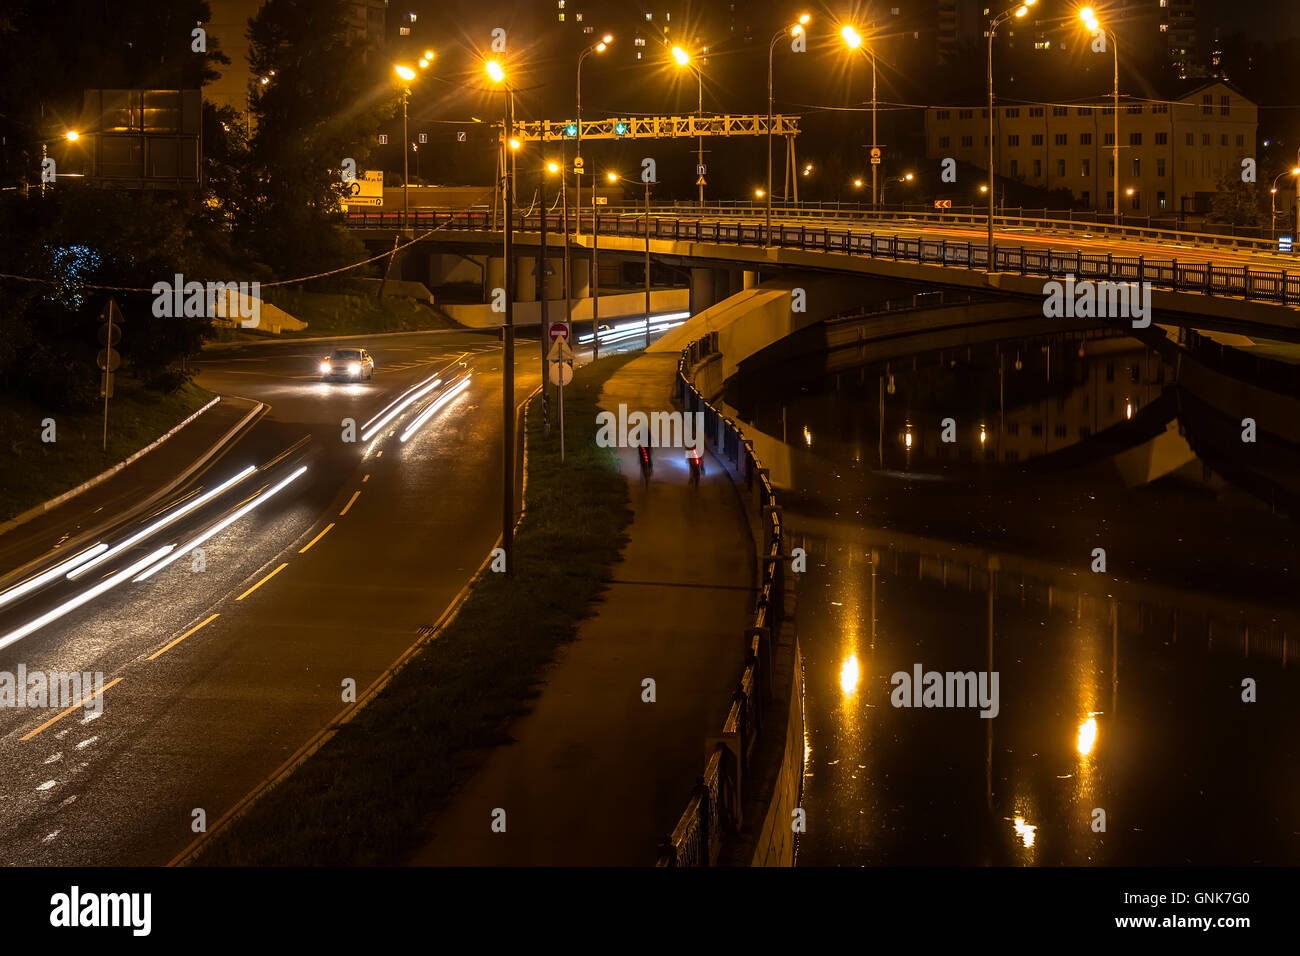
(1040, 220)
(1245, 282)
(714, 807)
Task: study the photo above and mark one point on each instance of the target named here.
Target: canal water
(1102, 533)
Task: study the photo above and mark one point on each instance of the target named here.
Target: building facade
(1172, 154)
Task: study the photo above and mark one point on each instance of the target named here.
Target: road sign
(110, 310)
(383, 139)
(602, 200)
(875, 152)
(701, 169)
(1284, 243)
(943, 204)
(108, 360)
(460, 136)
(558, 330)
(561, 373)
(424, 138)
(561, 350)
(701, 182)
(366, 191)
(110, 335)
(577, 162)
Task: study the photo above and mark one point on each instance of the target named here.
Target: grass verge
(368, 795)
(355, 313)
(35, 471)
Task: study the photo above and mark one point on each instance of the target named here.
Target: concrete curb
(53, 503)
(212, 345)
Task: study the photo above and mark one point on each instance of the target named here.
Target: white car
(352, 365)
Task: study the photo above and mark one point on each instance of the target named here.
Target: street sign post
(108, 359)
(559, 361)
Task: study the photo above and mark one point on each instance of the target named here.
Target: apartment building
(1172, 153)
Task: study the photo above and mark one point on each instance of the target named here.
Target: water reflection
(979, 556)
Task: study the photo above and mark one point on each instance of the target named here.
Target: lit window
(577, 17)
(404, 31)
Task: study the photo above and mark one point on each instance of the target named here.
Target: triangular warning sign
(700, 182)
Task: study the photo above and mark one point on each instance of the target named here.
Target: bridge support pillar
(749, 279)
(581, 280)
(526, 279)
(494, 276)
(702, 289)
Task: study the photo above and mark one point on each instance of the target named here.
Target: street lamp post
(1093, 25)
(407, 75)
(600, 47)
(1272, 221)
(647, 263)
(793, 31)
(853, 40)
(1001, 18)
(682, 58)
(497, 74)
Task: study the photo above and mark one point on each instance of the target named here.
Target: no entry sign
(558, 330)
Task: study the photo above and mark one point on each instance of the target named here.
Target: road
(216, 670)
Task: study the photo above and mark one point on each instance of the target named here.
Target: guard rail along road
(714, 808)
(1262, 285)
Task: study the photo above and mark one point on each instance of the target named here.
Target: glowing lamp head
(428, 55)
(759, 193)
(405, 72)
(495, 71)
(552, 167)
(909, 177)
(804, 19)
(612, 177)
(852, 39)
(73, 136)
(857, 183)
(1022, 10)
(1087, 13)
(796, 29)
(984, 189)
(607, 38)
(1296, 171)
(514, 143)
(600, 47)
(423, 63)
(681, 56)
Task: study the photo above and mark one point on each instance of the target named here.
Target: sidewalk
(595, 776)
(127, 490)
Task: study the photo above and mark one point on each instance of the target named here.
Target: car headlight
(324, 366)
(354, 368)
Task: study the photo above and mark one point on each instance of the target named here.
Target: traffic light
(571, 129)
(620, 129)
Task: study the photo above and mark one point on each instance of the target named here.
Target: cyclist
(696, 464)
(647, 466)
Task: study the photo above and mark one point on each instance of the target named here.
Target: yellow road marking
(355, 496)
(263, 581)
(365, 479)
(317, 538)
(64, 713)
(183, 636)
(380, 453)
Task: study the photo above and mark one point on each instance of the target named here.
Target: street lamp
(648, 183)
(884, 190)
(498, 75)
(794, 30)
(599, 47)
(406, 74)
(1093, 26)
(853, 40)
(1001, 18)
(1272, 222)
(682, 58)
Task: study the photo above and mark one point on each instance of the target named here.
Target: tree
(1235, 203)
(323, 104)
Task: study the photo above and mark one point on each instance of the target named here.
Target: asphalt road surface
(322, 565)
